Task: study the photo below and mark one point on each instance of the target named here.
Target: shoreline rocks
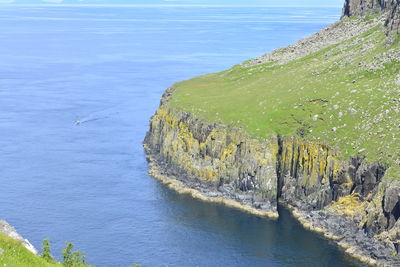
(224, 196)
(336, 227)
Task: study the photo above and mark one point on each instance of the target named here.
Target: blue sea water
(88, 184)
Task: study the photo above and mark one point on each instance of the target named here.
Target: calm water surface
(88, 184)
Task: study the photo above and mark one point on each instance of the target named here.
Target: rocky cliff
(225, 161)
(346, 196)
(390, 8)
(365, 7)
(393, 20)
(308, 176)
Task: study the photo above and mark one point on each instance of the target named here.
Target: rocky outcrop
(312, 175)
(393, 20)
(301, 173)
(225, 161)
(7, 229)
(366, 7)
(347, 200)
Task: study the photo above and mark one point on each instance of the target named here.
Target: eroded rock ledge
(346, 200)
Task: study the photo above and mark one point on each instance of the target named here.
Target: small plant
(72, 258)
(67, 254)
(46, 251)
(83, 258)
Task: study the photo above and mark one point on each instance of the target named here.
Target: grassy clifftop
(340, 86)
(16, 255)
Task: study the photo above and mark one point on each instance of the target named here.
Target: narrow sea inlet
(87, 182)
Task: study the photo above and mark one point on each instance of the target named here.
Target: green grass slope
(347, 95)
(16, 255)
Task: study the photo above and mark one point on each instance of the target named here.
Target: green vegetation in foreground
(345, 95)
(16, 255)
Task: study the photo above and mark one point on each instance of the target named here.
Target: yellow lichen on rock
(313, 160)
(215, 153)
(205, 152)
(216, 163)
(176, 185)
(350, 205)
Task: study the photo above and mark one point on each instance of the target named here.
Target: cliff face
(309, 176)
(364, 7)
(222, 159)
(393, 21)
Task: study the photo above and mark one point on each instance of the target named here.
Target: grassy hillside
(16, 255)
(347, 95)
